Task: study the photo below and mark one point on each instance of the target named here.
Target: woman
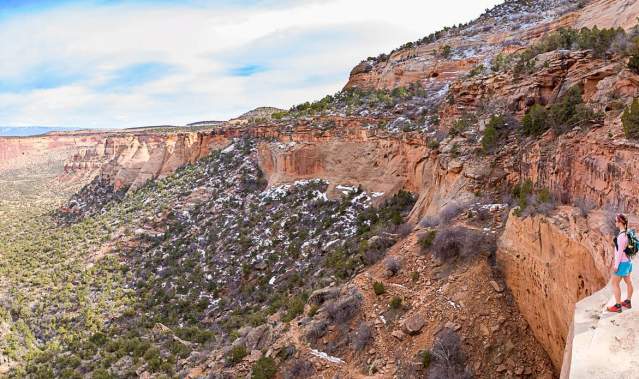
(622, 266)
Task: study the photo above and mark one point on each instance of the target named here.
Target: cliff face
(131, 160)
(506, 28)
(376, 163)
(550, 263)
(594, 168)
(46, 151)
(124, 159)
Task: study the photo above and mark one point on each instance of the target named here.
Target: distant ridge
(260, 112)
(25, 131)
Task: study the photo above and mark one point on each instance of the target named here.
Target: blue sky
(116, 63)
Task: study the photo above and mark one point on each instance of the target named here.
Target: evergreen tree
(630, 120)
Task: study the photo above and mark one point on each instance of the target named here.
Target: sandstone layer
(550, 263)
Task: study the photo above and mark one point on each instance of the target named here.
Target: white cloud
(299, 50)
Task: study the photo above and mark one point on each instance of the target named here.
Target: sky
(114, 63)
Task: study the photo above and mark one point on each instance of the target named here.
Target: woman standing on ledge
(622, 266)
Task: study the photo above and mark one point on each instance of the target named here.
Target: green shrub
(236, 355)
(396, 302)
(426, 359)
(101, 374)
(454, 150)
(68, 373)
(489, 139)
(400, 92)
(378, 288)
(98, 339)
(521, 192)
(396, 217)
(445, 51)
(500, 62)
(565, 114)
(534, 122)
(633, 63)
(426, 241)
(461, 124)
(342, 264)
(312, 311)
(569, 111)
(152, 353)
(264, 368)
(492, 132)
(194, 334)
(543, 195)
(476, 70)
(294, 309)
(630, 120)
(414, 276)
(600, 41)
(179, 349)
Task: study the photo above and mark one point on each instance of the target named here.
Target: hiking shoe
(615, 308)
(626, 304)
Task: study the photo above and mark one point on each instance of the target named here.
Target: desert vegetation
(142, 280)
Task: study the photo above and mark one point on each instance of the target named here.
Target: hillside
(446, 215)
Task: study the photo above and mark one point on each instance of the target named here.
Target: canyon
(520, 307)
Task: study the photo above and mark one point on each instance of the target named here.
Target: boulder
(254, 356)
(452, 325)
(258, 338)
(414, 324)
(496, 286)
(318, 297)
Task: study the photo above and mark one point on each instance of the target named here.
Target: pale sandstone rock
(603, 344)
(413, 325)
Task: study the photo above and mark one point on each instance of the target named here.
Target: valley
(442, 216)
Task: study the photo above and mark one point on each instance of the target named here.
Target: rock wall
(551, 262)
(494, 32)
(131, 160)
(377, 164)
(125, 158)
(608, 13)
(595, 168)
(47, 152)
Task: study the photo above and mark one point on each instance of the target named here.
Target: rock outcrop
(357, 157)
(497, 30)
(131, 160)
(549, 264)
(595, 168)
(602, 344)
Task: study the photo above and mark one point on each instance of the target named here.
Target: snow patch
(228, 149)
(326, 357)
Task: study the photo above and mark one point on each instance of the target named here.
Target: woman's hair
(622, 219)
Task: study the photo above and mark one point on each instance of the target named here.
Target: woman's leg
(628, 281)
(616, 289)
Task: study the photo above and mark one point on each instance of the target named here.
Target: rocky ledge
(604, 344)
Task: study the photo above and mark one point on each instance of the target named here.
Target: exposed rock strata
(550, 263)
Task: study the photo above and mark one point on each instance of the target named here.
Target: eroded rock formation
(550, 263)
